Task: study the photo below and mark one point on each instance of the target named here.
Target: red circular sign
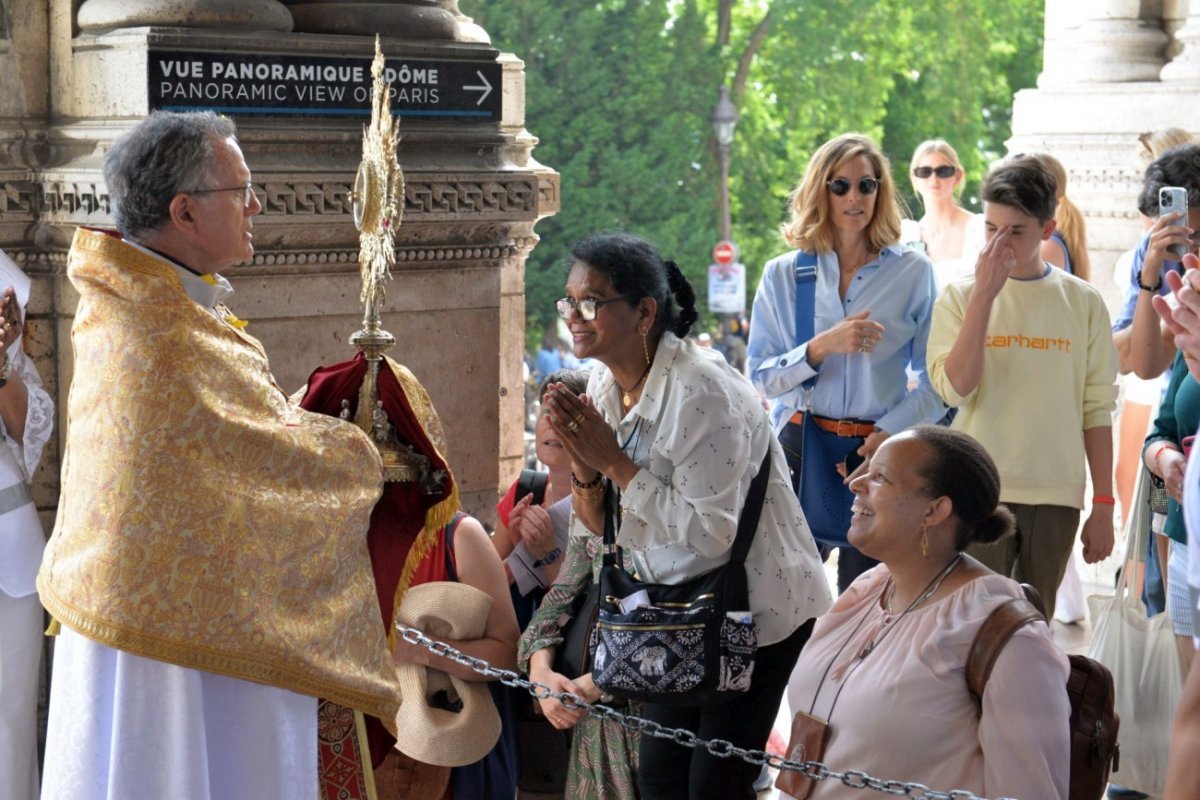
(725, 253)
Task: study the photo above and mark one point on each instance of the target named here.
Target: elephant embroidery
(651, 661)
(601, 658)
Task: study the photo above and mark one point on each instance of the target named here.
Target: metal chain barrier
(721, 748)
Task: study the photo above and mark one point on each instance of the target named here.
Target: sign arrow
(486, 88)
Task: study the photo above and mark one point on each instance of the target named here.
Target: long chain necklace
(626, 399)
(933, 586)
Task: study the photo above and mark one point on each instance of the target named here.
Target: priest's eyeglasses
(587, 307)
(247, 192)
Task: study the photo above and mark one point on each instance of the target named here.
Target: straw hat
(425, 728)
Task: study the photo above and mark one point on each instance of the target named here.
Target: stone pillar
(473, 193)
(1185, 67)
(408, 19)
(1102, 41)
(468, 31)
(253, 15)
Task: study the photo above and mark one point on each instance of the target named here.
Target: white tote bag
(1144, 660)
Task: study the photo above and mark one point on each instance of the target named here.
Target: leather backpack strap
(1004, 621)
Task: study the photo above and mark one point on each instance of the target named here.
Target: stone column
(255, 15)
(1185, 67)
(406, 19)
(1113, 43)
(467, 31)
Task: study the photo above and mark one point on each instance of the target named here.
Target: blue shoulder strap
(806, 299)
(806, 295)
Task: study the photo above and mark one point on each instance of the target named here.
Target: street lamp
(724, 119)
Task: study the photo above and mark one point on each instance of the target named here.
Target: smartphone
(1173, 200)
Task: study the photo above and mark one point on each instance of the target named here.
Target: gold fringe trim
(440, 514)
(195, 656)
(54, 628)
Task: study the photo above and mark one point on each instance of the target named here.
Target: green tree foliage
(620, 93)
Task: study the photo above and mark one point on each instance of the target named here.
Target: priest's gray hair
(166, 154)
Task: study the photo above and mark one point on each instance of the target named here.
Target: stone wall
(1112, 70)
(73, 78)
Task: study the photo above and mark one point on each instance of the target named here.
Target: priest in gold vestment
(209, 565)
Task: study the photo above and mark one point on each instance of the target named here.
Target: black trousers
(851, 562)
(668, 771)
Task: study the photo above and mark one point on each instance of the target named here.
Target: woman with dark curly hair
(681, 435)
(885, 669)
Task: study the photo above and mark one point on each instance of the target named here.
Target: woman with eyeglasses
(681, 436)
(836, 324)
(949, 234)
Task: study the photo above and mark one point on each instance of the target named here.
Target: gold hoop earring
(646, 347)
(925, 541)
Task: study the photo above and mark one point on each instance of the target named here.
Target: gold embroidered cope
(204, 519)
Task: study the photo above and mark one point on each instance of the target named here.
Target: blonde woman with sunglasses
(949, 234)
(867, 301)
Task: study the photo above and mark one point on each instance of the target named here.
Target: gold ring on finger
(572, 426)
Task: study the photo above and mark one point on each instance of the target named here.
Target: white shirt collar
(207, 290)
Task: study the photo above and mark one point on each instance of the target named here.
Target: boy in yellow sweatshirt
(1025, 353)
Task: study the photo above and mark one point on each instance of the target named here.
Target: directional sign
(725, 252)
(318, 86)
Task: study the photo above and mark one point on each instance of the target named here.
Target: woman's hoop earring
(646, 348)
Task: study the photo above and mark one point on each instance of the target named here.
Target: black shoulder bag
(694, 643)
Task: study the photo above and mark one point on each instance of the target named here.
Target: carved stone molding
(449, 198)
(246, 15)
(412, 19)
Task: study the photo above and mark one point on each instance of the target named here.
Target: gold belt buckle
(845, 428)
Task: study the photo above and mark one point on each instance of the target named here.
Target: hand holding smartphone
(1174, 200)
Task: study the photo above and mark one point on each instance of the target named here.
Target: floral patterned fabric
(204, 521)
(604, 755)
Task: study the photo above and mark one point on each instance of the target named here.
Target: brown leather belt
(849, 428)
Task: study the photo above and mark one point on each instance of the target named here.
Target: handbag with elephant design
(691, 643)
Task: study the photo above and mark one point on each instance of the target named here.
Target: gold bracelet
(589, 495)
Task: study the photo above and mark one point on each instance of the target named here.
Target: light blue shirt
(898, 289)
(1125, 318)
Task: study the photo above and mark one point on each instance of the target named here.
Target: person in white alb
(26, 420)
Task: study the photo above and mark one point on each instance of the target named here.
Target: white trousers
(123, 727)
(20, 654)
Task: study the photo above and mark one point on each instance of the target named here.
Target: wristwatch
(1146, 288)
(549, 558)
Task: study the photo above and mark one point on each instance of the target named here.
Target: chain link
(721, 748)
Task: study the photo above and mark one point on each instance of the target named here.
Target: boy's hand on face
(996, 262)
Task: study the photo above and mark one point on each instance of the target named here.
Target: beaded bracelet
(592, 484)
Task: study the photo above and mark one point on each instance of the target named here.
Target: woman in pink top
(885, 668)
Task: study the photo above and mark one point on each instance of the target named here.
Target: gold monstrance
(378, 197)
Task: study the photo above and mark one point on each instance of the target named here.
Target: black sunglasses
(944, 171)
(841, 186)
